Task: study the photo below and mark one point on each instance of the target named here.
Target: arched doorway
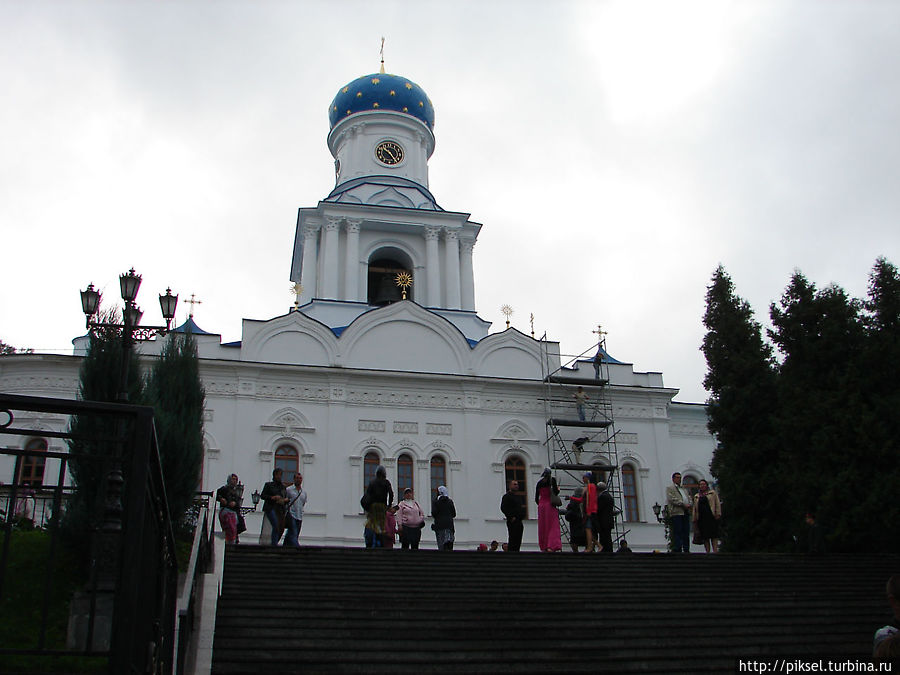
(384, 266)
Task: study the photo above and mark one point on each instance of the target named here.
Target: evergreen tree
(99, 380)
(176, 393)
(820, 336)
(878, 432)
(741, 408)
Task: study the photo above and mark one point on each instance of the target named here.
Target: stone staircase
(352, 610)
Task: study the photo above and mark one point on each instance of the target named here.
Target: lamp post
(131, 330)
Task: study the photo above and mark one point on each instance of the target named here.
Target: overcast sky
(615, 152)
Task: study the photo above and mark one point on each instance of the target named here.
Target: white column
(351, 269)
(310, 262)
(467, 274)
(451, 251)
(432, 267)
(330, 258)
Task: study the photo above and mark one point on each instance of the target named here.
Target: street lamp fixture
(656, 511)
(130, 328)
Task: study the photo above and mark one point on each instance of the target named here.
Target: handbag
(241, 523)
(555, 499)
(365, 501)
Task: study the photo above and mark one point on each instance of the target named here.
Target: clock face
(389, 152)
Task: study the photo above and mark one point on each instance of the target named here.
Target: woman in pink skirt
(548, 516)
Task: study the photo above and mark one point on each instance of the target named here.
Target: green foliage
(99, 380)
(817, 432)
(176, 393)
(742, 407)
(29, 568)
(9, 349)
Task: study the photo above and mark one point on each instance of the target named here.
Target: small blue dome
(381, 91)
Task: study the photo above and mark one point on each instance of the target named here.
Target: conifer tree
(99, 380)
(878, 432)
(820, 335)
(176, 393)
(741, 408)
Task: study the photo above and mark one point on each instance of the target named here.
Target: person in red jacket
(590, 512)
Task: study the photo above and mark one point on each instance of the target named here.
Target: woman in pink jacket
(411, 519)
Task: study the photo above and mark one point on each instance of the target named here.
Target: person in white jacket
(411, 519)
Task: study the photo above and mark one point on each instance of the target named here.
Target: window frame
(32, 468)
(630, 502)
(515, 468)
(405, 460)
(435, 461)
(285, 455)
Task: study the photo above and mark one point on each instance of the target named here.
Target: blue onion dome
(382, 91)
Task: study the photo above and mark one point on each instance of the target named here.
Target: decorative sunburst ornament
(507, 311)
(296, 290)
(404, 281)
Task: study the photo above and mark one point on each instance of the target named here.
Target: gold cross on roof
(193, 302)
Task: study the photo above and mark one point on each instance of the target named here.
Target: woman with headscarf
(549, 538)
(379, 495)
(443, 511)
(229, 498)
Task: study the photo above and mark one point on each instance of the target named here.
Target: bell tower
(381, 220)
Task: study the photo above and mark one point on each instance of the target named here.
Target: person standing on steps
(296, 500)
(606, 518)
(514, 510)
(411, 519)
(706, 513)
(679, 502)
(546, 496)
(274, 497)
(589, 504)
(443, 511)
(380, 495)
(229, 498)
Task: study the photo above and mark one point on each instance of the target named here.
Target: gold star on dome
(335, 108)
(375, 105)
(375, 80)
(421, 105)
(393, 93)
(403, 280)
(408, 85)
(359, 94)
(348, 112)
(405, 109)
(345, 90)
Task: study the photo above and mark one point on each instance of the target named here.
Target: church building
(384, 361)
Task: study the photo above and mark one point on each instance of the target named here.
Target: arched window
(690, 483)
(515, 470)
(404, 474)
(32, 470)
(629, 493)
(384, 266)
(370, 466)
(288, 460)
(438, 474)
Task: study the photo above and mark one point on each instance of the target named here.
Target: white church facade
(364, 371)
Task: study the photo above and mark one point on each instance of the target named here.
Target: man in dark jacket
(512, 507)
(274, 496)
(606, 518)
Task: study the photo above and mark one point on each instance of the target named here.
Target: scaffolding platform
(591, 424)
(564, 379)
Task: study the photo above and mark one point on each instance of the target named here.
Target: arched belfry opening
(384, 266)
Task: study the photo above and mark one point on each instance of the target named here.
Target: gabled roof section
(384, 191)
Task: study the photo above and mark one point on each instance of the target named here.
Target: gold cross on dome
(193, 302)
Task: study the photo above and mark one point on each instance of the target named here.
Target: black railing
(200, 563)
(126, 609)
